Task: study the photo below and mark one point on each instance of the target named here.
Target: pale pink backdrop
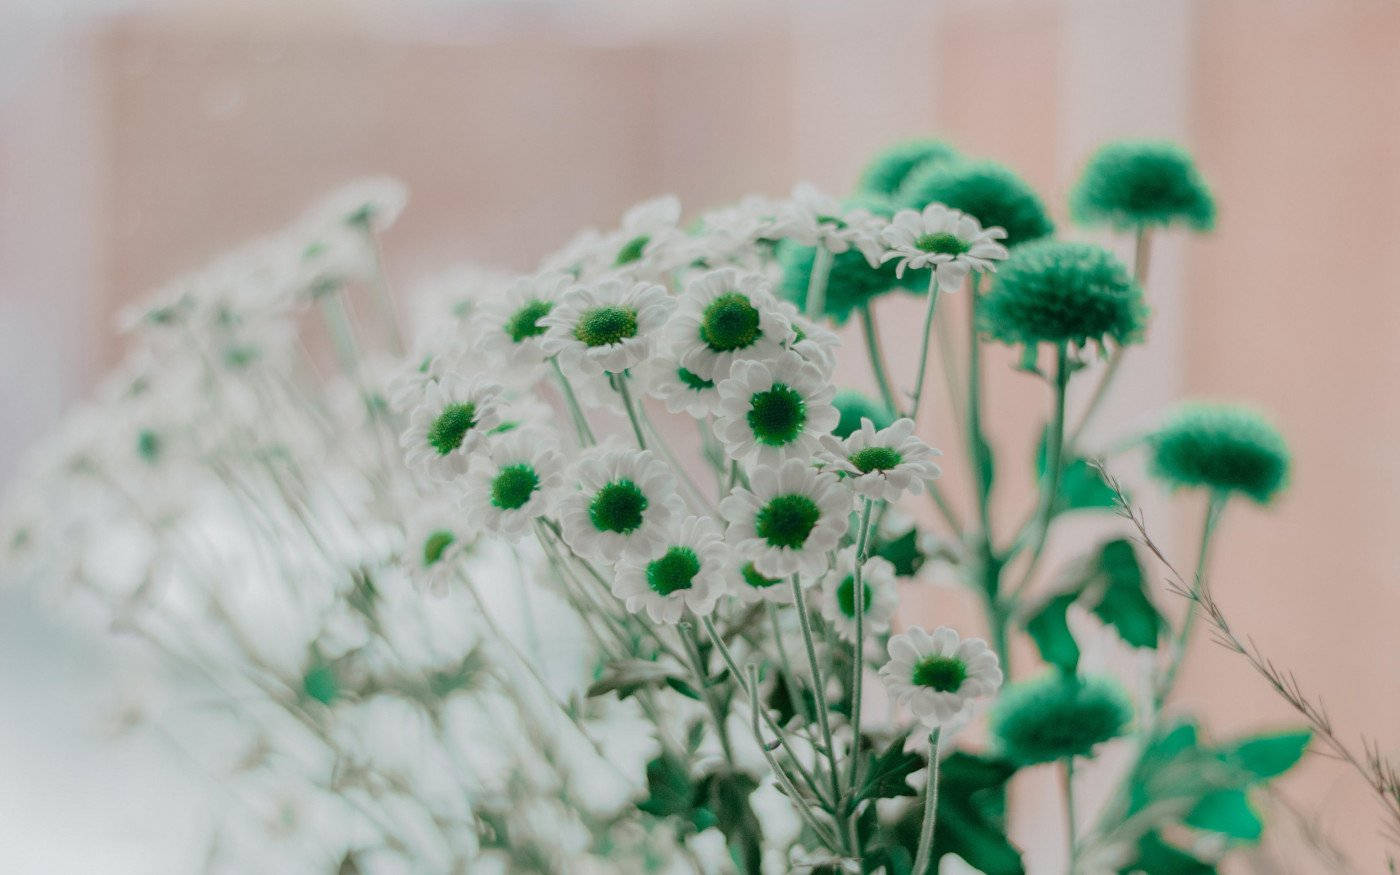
(136, 143)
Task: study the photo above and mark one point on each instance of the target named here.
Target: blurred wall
(139, 145)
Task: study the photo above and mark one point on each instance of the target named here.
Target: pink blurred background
(139, 139)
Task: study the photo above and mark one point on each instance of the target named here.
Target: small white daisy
(813, 218)
(515, 481)
(941, 677)
(808, 339)
(453, 416)
(732, 234)
(949, 241)
(373, 203)
(434, 543)
(726, 316)
(510, 327)
(749, 585)
(688, 572)
(789, 520)
(882, 464)
(839, 598)
(649, 242)
(679, 388)
(607, 326)
(775, 410)
(627, 504)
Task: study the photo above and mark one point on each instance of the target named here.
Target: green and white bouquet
(600, 570)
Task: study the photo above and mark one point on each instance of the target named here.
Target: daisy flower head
(516, 480)
(749, 585)
(810, 340)
(649, 240)
(731, 233)
(681, 389)
(372, 203)
(626, 504)
(434, 542)
(774, 410)
(725, 316)
(687, 572)
(453, 417)
(511, 331)
(811, 217)
(950, 242)
(839, 603)
(607, 326)
(882, 464)
(940, 677)
(788, 520)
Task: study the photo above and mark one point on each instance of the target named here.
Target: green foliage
(855, 406)
(1063, 293)
(971, 815)
(1138, 183)
(1222, 447)
(1082, 486)
(1156, 857)
(1227, 812)
(887, 774)
(990, 192)
(320, 683)
(1049, 630)
(719, 799)
(1059, 716)
(902, 552)
(892, 165)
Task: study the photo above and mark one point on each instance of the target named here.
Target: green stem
(918, 393)
(383, 297)
(1214, 508)
(619, 382)
(816, 284)
(921, 862)
(858, 651)
(585, 434)
(1071, 827)
(795, 697)
(818, 685)
(1054, 465)
(702, 676)
(877, 358)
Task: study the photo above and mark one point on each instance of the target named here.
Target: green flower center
(693, 381)
(875, 459)
(513, 486)
(676, 570)
(148, 445)
(632, 250)
(618, 507)
(835, 221)
(942, 243)
(730, 322)
(604, 326)
(450, 428)
(787, 520)
(525, 322)
(756, 580)
(941, 673)
(777, 415)
(846, 596)
(435, 545)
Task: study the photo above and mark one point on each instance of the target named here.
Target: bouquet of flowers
(599, 570)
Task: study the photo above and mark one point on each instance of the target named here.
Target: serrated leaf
(727, 795)
(1082, 486)
(1227, 812)
(903, 553)
(1267, 756)
(669, 788)
(1124, 604)
(887, 776)
(1049, 628)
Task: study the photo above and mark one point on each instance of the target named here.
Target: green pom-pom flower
(1056, 292)
(1134, 184)
(989, 192)
(888, 170)
(1221, 447)
(854, 406)
(1059, 716)
(853, 281)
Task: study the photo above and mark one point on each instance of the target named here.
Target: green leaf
(1082, 486)
(1156, 857)
(727, 795)
(985, 460)
(683, 688)
(1049, 629)
(971, 816)
(888, 773)
(1227, 812)
(626, 676)
(670, 789)
(1267, 756)
(903, 553)
(1124, 604)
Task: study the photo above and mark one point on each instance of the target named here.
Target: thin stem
(1054, 469)
(702, 675)
(858, 648)
(816, 284)
(921, 861)
(877, 358)
(976, 440)
(585, 434)
(818, 685)
(383, 296)
(1071, 828)
(619, 382)
(917, 395)
(795, 697)
(1215, 506)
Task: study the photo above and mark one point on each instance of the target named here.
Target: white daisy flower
(688, 572)
(627, 504)
(749, 585)
(726, 316)
(789, 519)
(650, 239)
(732, 233)
(839, 599)
(516, 480)
(681, 389)
(373, 203)
(941, 677)
(947, 240)
(775, 410)
(808, 339)
(882, 464)
(813, 218)
(434, 543)
(606, 326)
(451, 419)
(511, 331)
(574, 256)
